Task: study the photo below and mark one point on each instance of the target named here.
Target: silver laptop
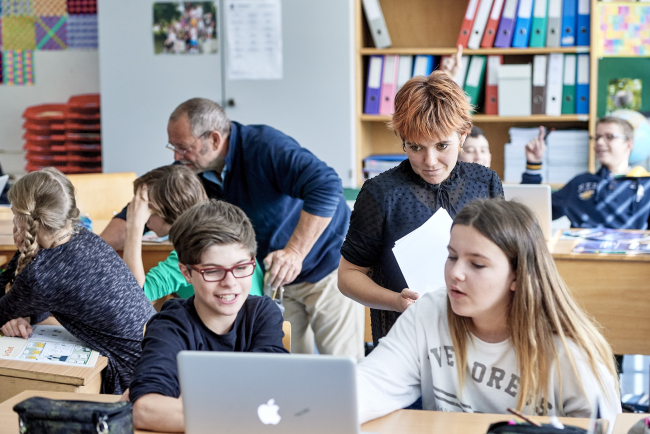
(536, 197)
(228, 392)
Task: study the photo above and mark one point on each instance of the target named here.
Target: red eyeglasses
(216, 274)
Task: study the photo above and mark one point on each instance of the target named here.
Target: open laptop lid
(537, 198)
(233, 392)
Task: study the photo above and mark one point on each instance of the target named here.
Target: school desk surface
(399, 422)
(17, 376)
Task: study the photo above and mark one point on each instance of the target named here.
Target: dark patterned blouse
(395, 203)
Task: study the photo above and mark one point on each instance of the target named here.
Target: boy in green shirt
(161, 196)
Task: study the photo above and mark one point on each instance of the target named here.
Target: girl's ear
(513, 285)
(185, 272)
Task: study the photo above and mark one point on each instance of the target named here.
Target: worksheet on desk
(48, 344)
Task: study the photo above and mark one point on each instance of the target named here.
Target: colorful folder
(492, 85)
(569, 85)
(468, 22)
(492, 25)
(373, 85)
(474, 81)
(582, 86)
(388, 85)
(539, 84)
(583, 35)
(522, 25)
(538, 26)
(506, 25)
(569, 9)
(423, 65)
(376, 23)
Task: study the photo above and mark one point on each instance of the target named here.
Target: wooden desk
(152, 253)
(625, 421)
(399, 422)
(16, 377)
(614, 289)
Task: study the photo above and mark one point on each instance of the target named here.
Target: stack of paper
(422, 254)
(568, 155)
(515, 154)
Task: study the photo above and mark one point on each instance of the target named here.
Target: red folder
(491, 88)
(492, 24)
(468, 22)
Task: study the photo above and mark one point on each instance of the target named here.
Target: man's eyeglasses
(607, 137)
(216, 274)
(183, 152)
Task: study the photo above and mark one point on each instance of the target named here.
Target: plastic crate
(54, 139)
(44, 129)
(86, 137)
(83, 147)
(81, 126)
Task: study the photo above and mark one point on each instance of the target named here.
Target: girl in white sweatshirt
(505, 333)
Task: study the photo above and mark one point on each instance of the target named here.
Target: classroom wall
(313, 102)
(57, 76)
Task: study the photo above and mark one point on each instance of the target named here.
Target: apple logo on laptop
(268, 413)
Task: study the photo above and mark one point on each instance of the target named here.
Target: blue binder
(423, 65)
(568, 36)
(373, 85)
(584, 23)
(582, 84)
(522, 25)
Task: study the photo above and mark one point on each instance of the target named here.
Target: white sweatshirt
(417, 358)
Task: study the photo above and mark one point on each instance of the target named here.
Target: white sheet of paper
(421, 255)
(254, 35)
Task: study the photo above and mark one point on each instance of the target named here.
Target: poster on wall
(254, 35)
(185, 28)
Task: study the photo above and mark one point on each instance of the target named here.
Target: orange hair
(431, 108)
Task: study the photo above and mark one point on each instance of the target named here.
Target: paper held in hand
(422, 254)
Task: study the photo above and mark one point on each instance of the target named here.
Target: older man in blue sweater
(295, 202)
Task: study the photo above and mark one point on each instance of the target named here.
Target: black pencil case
(527, 428)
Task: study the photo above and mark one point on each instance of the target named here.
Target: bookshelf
(431, 27)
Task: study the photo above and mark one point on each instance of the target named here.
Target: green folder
(475, 79)
(569, 85)
(538, 25)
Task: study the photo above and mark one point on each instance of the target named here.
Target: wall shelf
(505, 119)
(484, 51)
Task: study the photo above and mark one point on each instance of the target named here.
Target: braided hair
(42, 201)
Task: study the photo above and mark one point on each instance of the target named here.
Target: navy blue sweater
(272, 179)
(601, 200)
(257, 328)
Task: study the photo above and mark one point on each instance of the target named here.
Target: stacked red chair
(65, 136)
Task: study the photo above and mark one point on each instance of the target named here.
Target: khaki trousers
(319, 312)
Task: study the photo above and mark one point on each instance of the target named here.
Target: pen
(530, 421)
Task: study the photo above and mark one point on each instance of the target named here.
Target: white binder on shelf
(377, 23)
(482, 15)
(554, 84)
(404, 70)
(515, 90)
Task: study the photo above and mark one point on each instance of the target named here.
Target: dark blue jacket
(178, 327)
(601, 200)
(272, 179)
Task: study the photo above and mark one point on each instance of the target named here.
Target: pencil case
(42, 415)
(526, 428)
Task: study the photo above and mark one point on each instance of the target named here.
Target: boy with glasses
(216, 250)
(161, 196)
(613, 197)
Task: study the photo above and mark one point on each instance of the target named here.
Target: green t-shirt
(166, 278)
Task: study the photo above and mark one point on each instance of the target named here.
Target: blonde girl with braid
(63, 270)
(506, 332)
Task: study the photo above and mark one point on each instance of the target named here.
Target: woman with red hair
(432, 119)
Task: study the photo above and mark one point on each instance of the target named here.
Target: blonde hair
(43, 201)
(541, 307)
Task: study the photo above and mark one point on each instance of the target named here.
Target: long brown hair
(541, 307)
(42, 201)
